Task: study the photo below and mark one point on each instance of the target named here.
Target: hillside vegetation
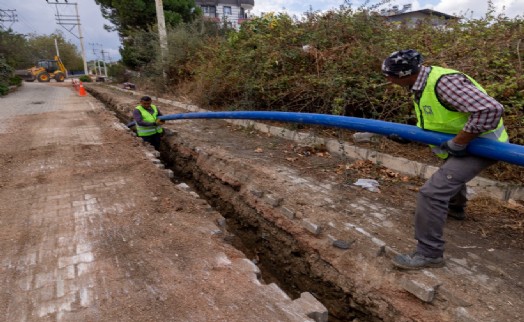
(330, 63)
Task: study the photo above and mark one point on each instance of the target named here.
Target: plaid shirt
(459, 93)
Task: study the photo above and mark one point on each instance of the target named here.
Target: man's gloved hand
(160, 122)
(454, 149)
(398, 139)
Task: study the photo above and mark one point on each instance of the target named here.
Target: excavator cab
(50, 66)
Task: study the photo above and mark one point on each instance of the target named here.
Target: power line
(69, 22)
(66, 21)
(7, 15)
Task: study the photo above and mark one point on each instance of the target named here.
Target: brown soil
(246, 153)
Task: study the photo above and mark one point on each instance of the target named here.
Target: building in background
(232, 12)
(412, 18)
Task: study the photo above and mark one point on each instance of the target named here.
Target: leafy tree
(132, 17)
(21, 51)
(129, 15)
(43, 47)
(14, 49)
(140, 49)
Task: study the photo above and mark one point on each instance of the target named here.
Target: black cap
(402, 63)
(145, 99)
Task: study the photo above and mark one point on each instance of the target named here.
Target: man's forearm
(463, 138)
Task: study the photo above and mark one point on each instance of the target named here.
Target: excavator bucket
(25, 74)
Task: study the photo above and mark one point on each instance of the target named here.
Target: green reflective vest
(150, 118)
(433, 115)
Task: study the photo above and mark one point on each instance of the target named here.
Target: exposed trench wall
(361, 291)
(285, 258)
(259, 226)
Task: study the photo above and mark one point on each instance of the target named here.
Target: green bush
(85, 79)
(330, 63)
(6, 77)
(3, 89)
(15, 81)
(118, 73)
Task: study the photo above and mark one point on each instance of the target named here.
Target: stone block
(420, 290)
(183, 186)
(390, 252)
(289, 213)
(170, 173)
(274, 201)
(313, 309)
(339, 243)
(248, 266)
(311, 227)
(365, 137)
(221, 221)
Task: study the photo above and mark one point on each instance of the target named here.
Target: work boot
(456, 212)
(416, 261)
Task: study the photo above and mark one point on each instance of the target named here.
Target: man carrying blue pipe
(451, 102)
(148, 125)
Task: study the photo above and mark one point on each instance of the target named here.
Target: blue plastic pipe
(511, 153)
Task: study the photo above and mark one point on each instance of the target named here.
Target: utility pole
(81, 40)
(8, 15)
(71, 21)
(56, 47)
(104, 61)
(95, 60)
(98, 64)
(162, 32)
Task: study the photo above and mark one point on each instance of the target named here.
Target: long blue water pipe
(511, 153)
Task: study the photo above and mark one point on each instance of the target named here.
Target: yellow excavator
(44, 71)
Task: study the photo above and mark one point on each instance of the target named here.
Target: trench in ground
(279, 257)
(275, 252)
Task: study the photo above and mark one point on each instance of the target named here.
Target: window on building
(227, 11)
(209, 11)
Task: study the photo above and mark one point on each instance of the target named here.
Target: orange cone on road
(82, 90)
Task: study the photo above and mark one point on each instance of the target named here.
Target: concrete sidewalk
(92, 228)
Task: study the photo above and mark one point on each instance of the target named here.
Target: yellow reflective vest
(150, 118)
(433, 115)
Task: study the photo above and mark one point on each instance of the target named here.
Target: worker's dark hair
(145, 99)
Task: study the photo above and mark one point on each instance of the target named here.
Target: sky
(468, 8)
(37, 16)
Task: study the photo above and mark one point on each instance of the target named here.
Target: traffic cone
(82, 90)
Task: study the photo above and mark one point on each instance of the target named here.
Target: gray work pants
(446, 186)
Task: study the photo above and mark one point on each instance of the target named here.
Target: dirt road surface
(93, 228)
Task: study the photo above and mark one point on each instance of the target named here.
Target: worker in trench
(451, 102)
(148, 125)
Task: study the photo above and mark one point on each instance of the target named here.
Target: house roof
(428, 12)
